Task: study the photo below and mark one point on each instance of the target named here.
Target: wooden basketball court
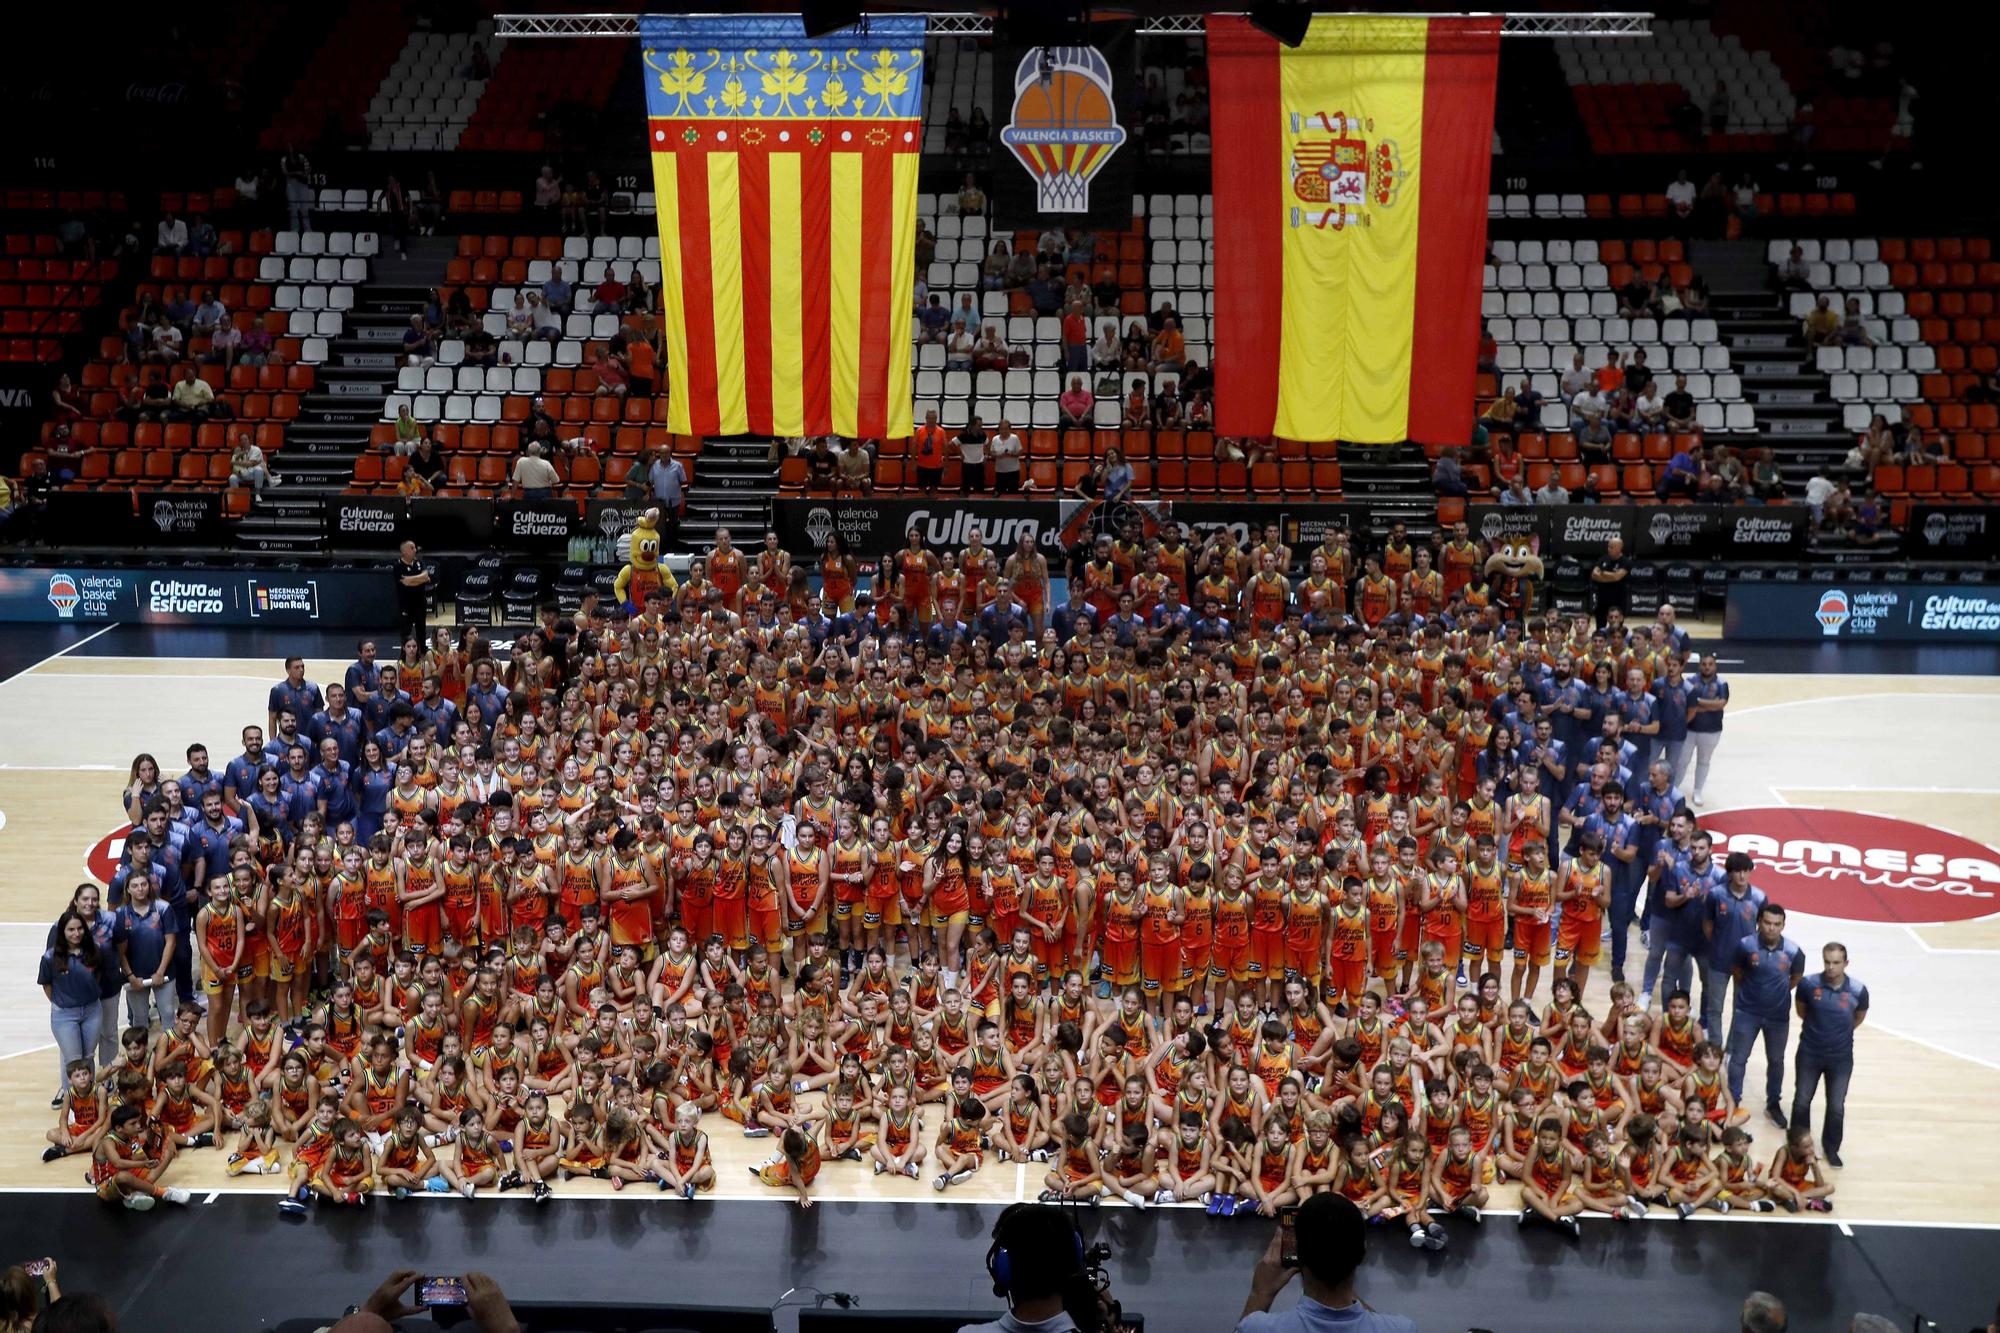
(1925, 1101)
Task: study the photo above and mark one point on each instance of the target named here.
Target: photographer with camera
(1050, 1281)
(1329, 1241)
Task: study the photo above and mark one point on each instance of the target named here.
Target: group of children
(1184, 917)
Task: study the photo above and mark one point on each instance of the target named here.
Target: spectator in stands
(971, 199)
(1611, 375)
(427, 209)
(926, 246)
(959, 348)
(1249, 452)
(557, 291)
(1487, 359)
(934, 319)
(1077, 403)
(972, 456)
(965, 314)
(993, 269)
(820, 464)
(1649, 412)
(193, 398)
(392, 202)
(1711, 206)
(1635, 298)
(1985, 387)
(534, 476)
(1506, 461)
(1020, 270)
(1138, 342)
(427, 468)
(548, 192)
(642, 357)
(1681, 195)
(1766, 482)
(638, 295)
(547, 321)
(1914, 448)
(1045, 291)
(258, 348)
(1854, 326)
(247, 465)
(1006, 450)
(1588, 405)
(65, 404)
(1795, 274)
(1169, 348)
(1195, 376)
(927, 448)
(521, 315)
(991, 353)
(1693, 298)
(1576, 379)
(1678, 404)
(1819, 491)
(1115, 480)
(459, 318)
(224, 346)
(1516, 492)
(571, 207)
(1552, 491)
(139, 405)
(855, 469)
(1501, 412)
(609, 298)
(1448, 477)
(1638, 375)
(203, 239)
(164, 345)
(1593, 440)
(1199, 412)
(171, 236)
(1729, 474)
(408, 430)
(978, 131)
(419, 345)
(1053, 244)
(1167, 405)
(296, 168)
(1107, 353)
(542, 431)
(1082, 246)
(1869, 521)
(1138, 413)
(1076, 338)
(1822, 325)
(613, 378)
(1683, 474)
(1528, 402)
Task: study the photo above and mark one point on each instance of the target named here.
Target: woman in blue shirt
(71, 975)
(1500, 761)
(1117, 476)
(372, 781)
(141, 787)
(103, 926)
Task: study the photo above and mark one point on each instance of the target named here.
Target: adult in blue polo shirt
(1831, 1006)
(488, 695)
(344, 726)
(333, 786)
(1637, 711)
(1670, 709)
(1767, 967)
(294, 692)
(362, 674)
(239, 777)
(1727, 916)
(286, 735)
(388, 692)
(146, 936)
(199, 780)
(1708, 696)
(1621, 854)
(436, 714)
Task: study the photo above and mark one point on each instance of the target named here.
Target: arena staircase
(733, 483)
(1796, 415)
(1394, 481)
(334, 421)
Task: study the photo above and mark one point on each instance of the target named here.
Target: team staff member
(1767, 967)
(1727, 915)
(412, 593)
(1830, 1006)
(1708, 696)
(294, 692)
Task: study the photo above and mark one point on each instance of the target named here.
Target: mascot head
(1516, 557)
(646, 541)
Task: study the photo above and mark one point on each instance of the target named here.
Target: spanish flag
(785, 171)
(1350, 227)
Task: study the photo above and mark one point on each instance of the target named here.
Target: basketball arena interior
(963, 620)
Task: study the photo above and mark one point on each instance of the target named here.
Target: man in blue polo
(1728, 915)
(1831, 1006)
(294, 692)
(1767, 967)
(342, 725)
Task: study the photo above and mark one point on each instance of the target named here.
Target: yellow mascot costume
(643, 574)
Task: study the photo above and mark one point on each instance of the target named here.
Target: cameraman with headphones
(1038, 1265)
(1332, 1240)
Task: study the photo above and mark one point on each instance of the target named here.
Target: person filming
(1037, 1264)
(1331, 1239)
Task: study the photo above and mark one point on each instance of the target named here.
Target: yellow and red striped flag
(1348, 252)
(785, 170)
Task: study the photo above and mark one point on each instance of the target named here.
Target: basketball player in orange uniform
(1347, 963)
(915, 569)
(1531, 905)
(1584, 893)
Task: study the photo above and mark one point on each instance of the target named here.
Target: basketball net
(1062, 192)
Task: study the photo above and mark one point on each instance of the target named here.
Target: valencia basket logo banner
(1350, 224)
(1067, 125)
(786, 173)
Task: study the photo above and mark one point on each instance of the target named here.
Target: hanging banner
(786, 173)
(1066, 117)
(1352, 171)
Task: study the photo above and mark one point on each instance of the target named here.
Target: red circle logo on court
(101, 861)
(1859, 867)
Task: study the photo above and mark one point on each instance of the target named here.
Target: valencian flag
(785, 170)
(1348, 257)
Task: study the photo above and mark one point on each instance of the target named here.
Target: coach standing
(1767, 968)
(413, 585)
(1831, 1006)
(1708, 696)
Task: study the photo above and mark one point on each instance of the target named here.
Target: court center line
(1913, 791)
(1933, 1046)
(61, 653)
(1929, 948)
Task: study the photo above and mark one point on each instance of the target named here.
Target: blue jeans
(1806, 1074)
(1744, 1029)
(1669, 967)
(1624, 899)
(76, 1031)
(1714, 990)
(142, 1005)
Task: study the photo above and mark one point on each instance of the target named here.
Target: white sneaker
(1645, 1001)
(1699, 800)
(141, 1203)
(878, 1168)
(1417, 1237)
(1135, 1199)
(910, 1170)
(1164, 1196)
(940, 1183)
(174, 1194)
(466, 1189)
